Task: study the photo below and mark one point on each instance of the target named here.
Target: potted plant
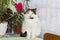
(18, 22)
(19, 18)
(3, 22)
(17, 9)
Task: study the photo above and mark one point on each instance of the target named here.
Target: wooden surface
(49, 36)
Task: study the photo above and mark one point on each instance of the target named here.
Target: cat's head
(30, 13)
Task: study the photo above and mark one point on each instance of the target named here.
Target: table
(19, 38)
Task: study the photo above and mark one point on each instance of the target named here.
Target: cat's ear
(27, 10)
(34, 10)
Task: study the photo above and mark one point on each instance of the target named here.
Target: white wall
(49, 13)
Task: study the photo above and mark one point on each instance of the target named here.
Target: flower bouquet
(18, 19)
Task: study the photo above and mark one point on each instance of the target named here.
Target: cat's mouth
(31, 17)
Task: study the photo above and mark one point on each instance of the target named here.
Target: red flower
(18, 7)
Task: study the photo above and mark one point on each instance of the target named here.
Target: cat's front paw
(28, 37)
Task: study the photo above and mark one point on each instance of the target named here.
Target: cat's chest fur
(31, 23)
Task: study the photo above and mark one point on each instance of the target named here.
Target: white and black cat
(31, 24)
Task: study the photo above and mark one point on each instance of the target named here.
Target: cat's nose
(31, 18)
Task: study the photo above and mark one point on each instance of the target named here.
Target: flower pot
(3, 28)
(17, 29)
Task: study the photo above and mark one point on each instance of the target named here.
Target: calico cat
(31, 24)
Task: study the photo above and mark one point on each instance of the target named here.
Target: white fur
(32, 26)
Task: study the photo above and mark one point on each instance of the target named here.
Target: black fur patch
(33, 10)
(23, 34)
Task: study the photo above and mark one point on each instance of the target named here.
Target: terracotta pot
(18, 29)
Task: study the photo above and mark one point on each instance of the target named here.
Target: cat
(31, 24)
